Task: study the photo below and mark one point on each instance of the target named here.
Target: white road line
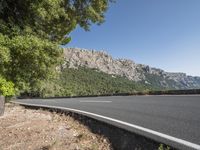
(88, 101)
(165, 136)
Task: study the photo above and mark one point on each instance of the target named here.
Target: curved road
(174, 120)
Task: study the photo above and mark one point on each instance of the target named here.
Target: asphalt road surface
(174, 120)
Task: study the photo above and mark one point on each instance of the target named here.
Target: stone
(2, 105)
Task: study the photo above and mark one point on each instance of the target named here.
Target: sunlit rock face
(100, 60)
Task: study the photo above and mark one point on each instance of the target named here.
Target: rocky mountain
(100, 60)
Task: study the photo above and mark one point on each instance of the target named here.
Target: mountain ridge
(101, 60)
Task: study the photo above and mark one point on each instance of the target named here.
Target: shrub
(6, 87)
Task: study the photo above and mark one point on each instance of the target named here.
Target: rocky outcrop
(104, 62)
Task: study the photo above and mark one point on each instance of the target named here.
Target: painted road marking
(165, 136)
(88, 101)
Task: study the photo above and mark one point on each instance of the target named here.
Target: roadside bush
(162, 147)
(6, 88)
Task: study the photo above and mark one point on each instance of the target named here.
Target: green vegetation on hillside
(91, 82)
(85, 82)
(158, 82)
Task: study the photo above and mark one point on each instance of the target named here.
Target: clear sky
(160, 33)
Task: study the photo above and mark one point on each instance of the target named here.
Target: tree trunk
(2, 105)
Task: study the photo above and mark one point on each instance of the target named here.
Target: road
(174, 120)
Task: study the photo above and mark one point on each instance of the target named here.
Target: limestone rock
(104, 62)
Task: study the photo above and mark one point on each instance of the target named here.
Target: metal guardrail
(2, 105)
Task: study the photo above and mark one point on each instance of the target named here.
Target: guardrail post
(2, 105)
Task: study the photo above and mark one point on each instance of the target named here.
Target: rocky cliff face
(102, 61)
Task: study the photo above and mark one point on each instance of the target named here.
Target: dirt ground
(29, 129)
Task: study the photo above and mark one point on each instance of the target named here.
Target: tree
(31, 32)
(52, 19)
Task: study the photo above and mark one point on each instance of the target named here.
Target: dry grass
(28, 129)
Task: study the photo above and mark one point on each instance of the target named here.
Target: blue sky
(161, 33)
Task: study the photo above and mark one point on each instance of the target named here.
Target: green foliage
(162, 147)
(46, 89)
(52, 19)
(85, 82)
(27, 60)
(158, 82)
(6, 87)
(32, 60)
(4, 54)
(175, 92)
(30, 32)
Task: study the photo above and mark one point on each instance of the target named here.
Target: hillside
(141, 74)
(85, 81)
